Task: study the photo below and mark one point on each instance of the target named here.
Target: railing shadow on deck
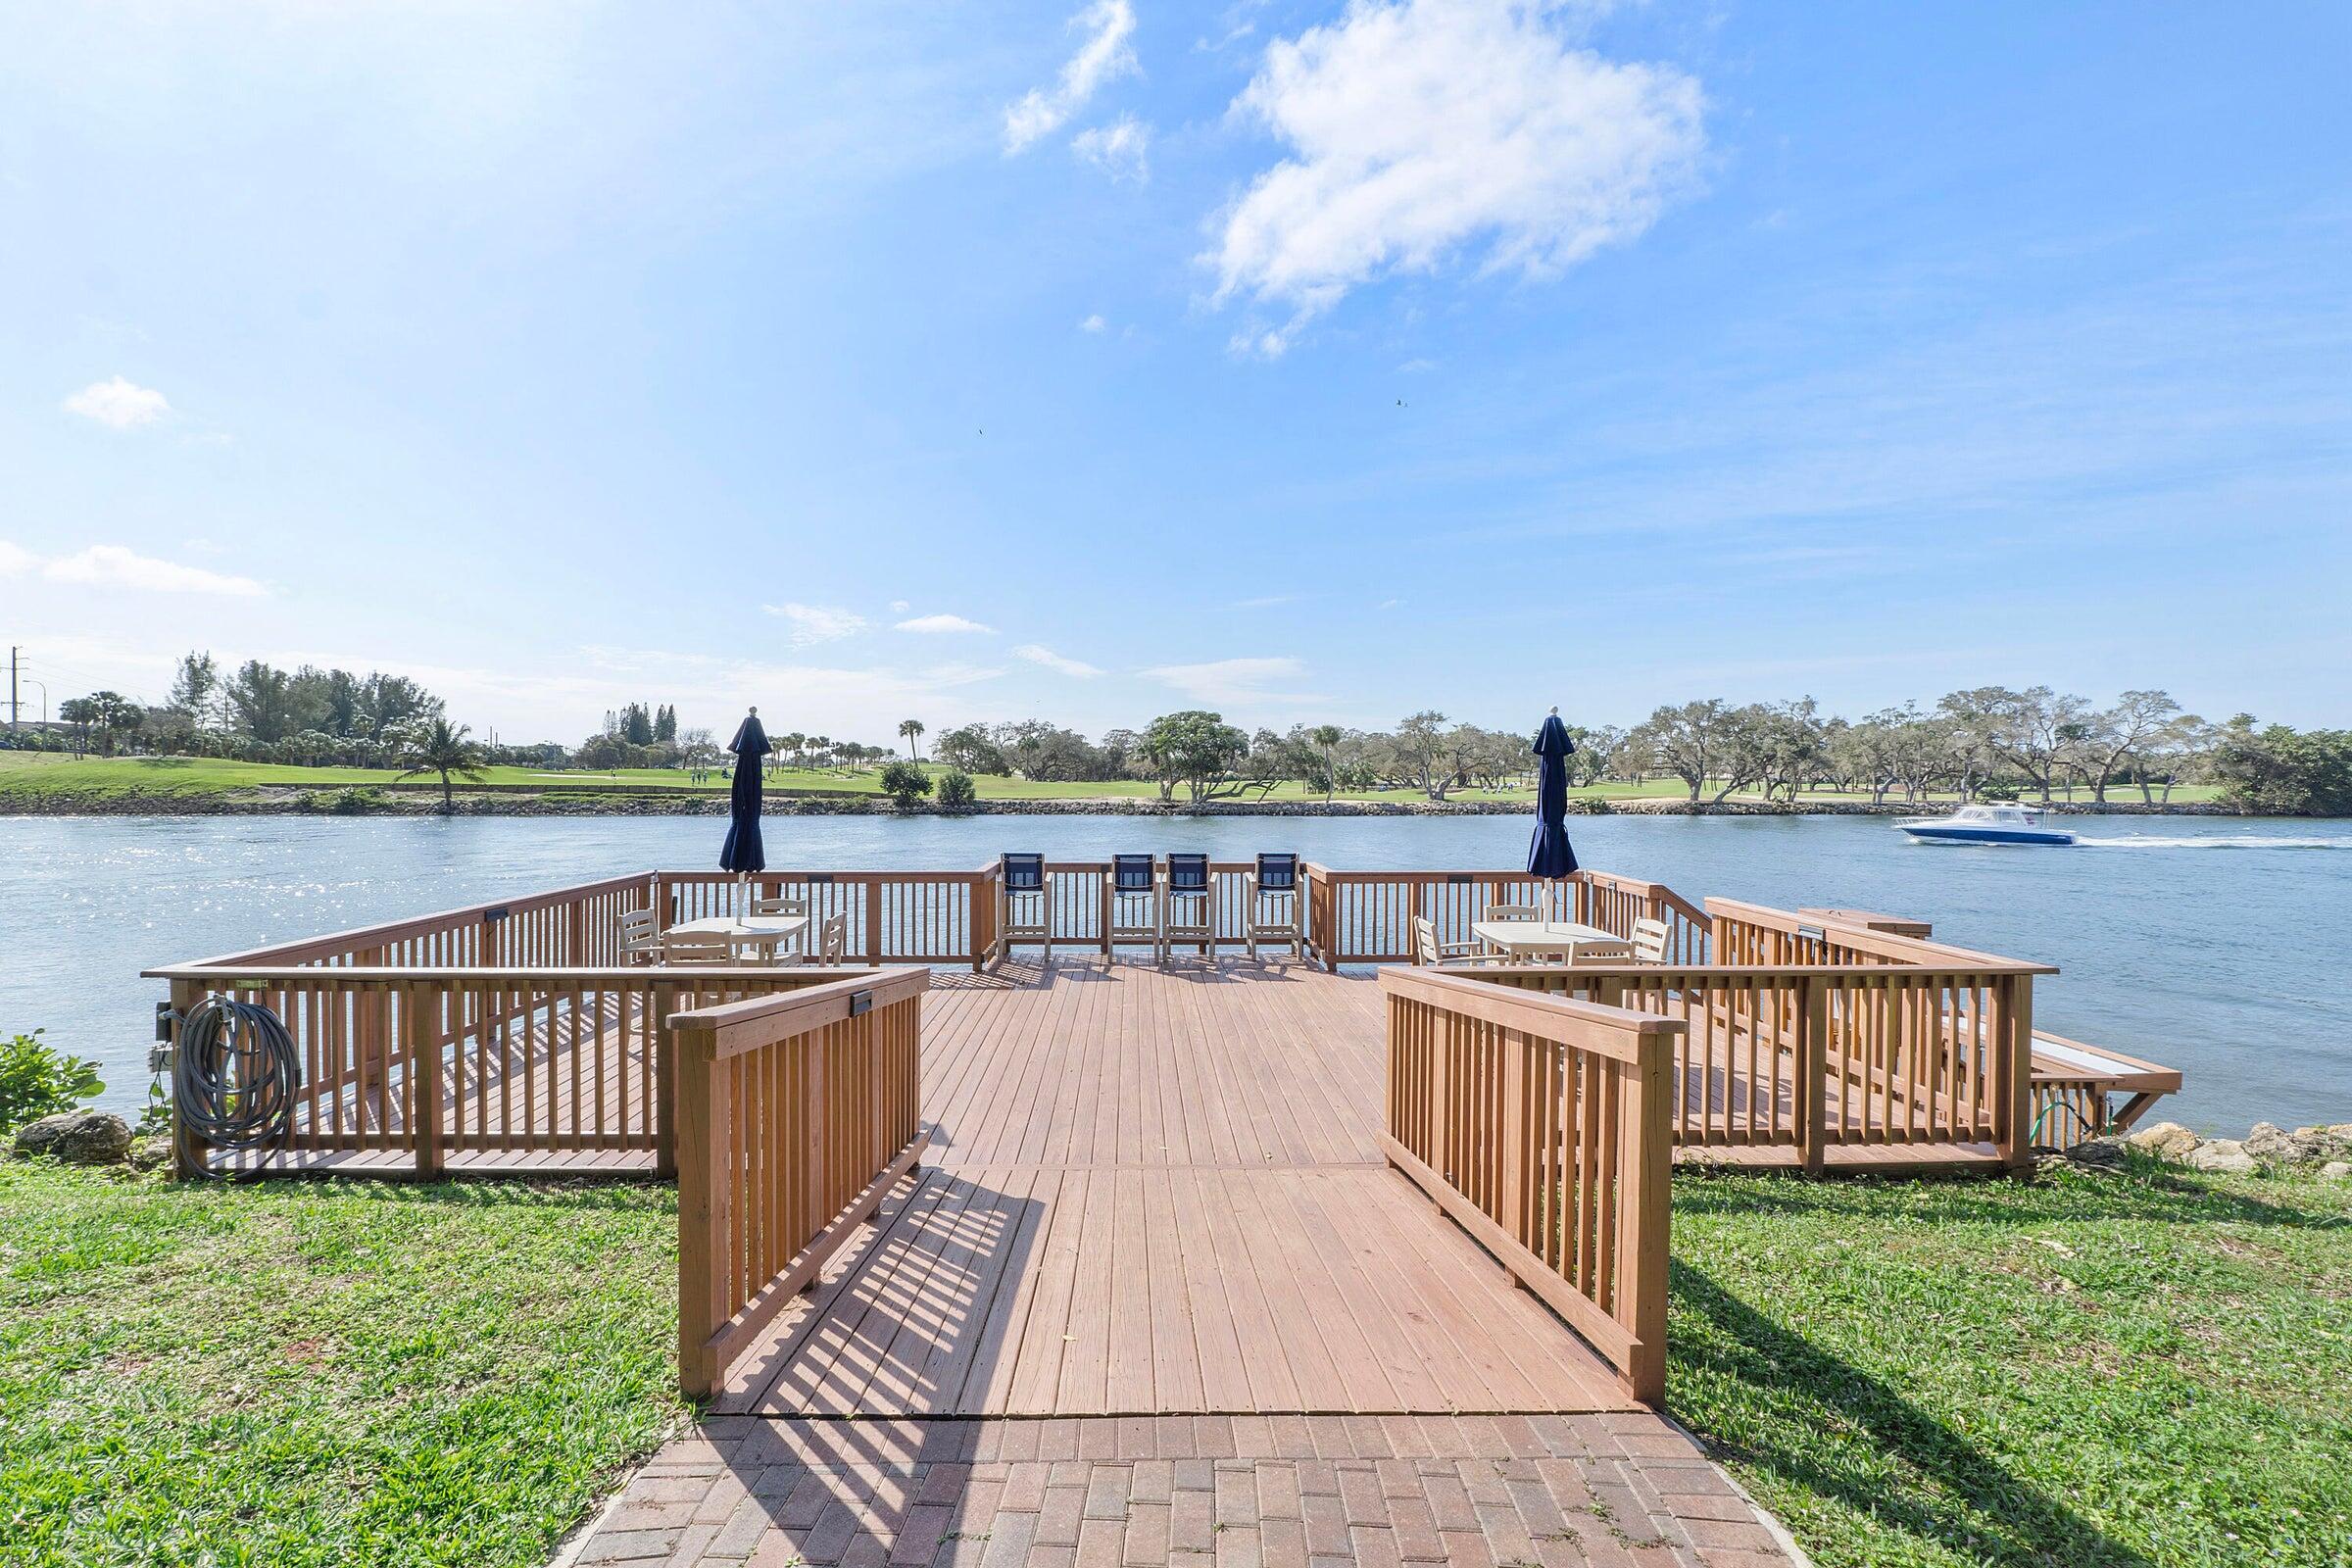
(1992, 1517)
(978, 1275)
(920, 1300)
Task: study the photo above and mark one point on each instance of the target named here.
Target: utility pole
(13, 650)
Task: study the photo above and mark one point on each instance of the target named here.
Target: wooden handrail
(1884, 945)
(795, 974)
(795, 1117)
(1541, 1124)
(361, 939)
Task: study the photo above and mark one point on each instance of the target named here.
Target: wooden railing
(889, 916)
(564, 927)
(1367, 916)
(796, 1114)
(420, 1067)
(922, 916)
(1541, 1124)
(1815, 1057)
(1756, 934)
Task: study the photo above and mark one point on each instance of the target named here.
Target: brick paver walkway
(1207, 1490)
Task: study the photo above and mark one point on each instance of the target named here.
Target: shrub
(906, 783)
(353, 802)
(36, 1081)
(957, 790)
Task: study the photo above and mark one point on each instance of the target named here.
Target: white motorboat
(1988, 825)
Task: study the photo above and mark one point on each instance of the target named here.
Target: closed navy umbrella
(742, 851)
(1550, 855)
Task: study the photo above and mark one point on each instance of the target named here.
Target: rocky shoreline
(2327, 1151)
(425, 802)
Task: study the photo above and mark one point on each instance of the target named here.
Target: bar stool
(1131, 902)
(1023, 914)
(1188, 906)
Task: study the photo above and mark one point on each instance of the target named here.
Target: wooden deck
(1156, 1191)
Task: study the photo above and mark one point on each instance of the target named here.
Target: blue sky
(1307, 362)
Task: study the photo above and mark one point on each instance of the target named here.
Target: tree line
(1983, 742)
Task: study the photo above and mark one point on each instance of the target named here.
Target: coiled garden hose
(2034, 1133)
(233, 1082)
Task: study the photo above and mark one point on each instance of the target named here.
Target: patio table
(769, 931)
(1547, 939)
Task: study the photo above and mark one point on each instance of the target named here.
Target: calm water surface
(2217, 947)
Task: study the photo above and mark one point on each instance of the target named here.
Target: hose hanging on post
(233, 1082)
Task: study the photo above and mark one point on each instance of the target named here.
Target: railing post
(703, 1220)
(663, 1044)
(422, 1038)
(873, 921)
(981, 920)
(1644, 1194)
(188, 1155)
(2016, 1060)
(1811, 1072)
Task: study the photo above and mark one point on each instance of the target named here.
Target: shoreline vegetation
(260, 739)
(42, 784)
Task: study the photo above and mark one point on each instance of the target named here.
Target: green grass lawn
(2144, 1368)
(30, 776)
(309, 1373)
(38, 774)
(2147, 1368)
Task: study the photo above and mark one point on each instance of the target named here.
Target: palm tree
(1327, 737)
(437, 748)
(913, 729)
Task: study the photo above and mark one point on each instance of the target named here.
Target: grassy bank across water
(2136, 1368)
(45, 782)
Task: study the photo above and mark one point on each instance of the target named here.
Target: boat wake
(2212, 842)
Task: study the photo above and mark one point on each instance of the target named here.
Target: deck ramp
(1158, 1191)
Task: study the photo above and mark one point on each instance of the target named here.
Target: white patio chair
(833, 939)
(687, 947)
(1649, 941)
(794, 948)
(1430, 953)
(640, 937)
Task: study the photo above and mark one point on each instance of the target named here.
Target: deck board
(1160, 1192)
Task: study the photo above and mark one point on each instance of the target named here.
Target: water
(2220, 948)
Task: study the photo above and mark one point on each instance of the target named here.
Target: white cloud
(1422, 128)
(817, 623)
(1122, 149)
(1103, 56)
(900, 607)
(1038, 654)
(1233, 681)
(1094, 324)
(932, 624)
(118, 568)
(114, 567)
(1265, 601)
(118, 404)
